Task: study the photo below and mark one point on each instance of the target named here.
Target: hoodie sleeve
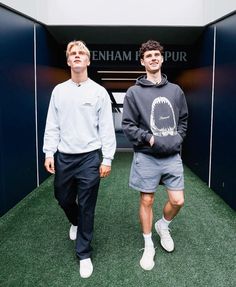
(130, 122)
(183, 117)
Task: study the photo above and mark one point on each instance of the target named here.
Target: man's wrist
(49, 154)
(106, 161)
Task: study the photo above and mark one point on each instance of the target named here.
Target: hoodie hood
(142, 81)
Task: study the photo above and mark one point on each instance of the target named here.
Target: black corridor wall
(223, 179)
(17, 104)
(25, 92)
(211, 91)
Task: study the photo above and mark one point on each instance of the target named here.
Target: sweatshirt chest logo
(162, 118)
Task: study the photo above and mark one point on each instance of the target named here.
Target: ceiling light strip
(121, 72)
(118, 79)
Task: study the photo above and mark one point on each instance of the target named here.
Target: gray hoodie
(155, 109)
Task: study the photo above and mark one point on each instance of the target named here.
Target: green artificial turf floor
(35, 249)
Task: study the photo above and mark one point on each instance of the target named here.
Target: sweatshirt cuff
(106, 161)
(49, 154)
(148, 137)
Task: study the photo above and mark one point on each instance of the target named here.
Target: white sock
(164, 223)
(148, 240)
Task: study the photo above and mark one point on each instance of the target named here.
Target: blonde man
(79, 128)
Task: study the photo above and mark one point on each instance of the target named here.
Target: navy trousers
(76, 188)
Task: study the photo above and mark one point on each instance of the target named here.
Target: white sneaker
(86, 268)
(73, 232)
(147, 262)
(166, 240)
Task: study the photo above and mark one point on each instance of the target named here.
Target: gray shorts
(148, 171)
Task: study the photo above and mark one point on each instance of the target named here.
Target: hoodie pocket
(167, 145)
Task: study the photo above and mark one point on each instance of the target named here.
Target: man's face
(78, 59)
(152, 61)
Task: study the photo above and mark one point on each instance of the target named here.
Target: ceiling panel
(126, 34)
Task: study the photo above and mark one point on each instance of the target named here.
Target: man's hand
(49, 164)
(104, 170)
(151, 142)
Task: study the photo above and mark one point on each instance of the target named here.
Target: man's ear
(142, 63)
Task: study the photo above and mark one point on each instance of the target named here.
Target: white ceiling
(124, 12)
(125, 21)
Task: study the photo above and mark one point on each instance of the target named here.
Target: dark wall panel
(17, 109)
(197, 84)
(223, 179)
(49, 74)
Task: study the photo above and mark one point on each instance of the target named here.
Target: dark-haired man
(155, 120)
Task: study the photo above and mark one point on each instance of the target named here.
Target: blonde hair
(80, 44)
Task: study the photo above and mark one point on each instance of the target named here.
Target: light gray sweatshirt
(80, 120)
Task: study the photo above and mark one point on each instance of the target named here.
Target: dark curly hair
(149, 46)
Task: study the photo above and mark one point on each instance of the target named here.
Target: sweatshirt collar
(79, 84)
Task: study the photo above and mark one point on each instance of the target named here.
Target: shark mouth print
(162, 119)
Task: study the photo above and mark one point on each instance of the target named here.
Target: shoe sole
(86, 276)
(147, 269)
(73, 238)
